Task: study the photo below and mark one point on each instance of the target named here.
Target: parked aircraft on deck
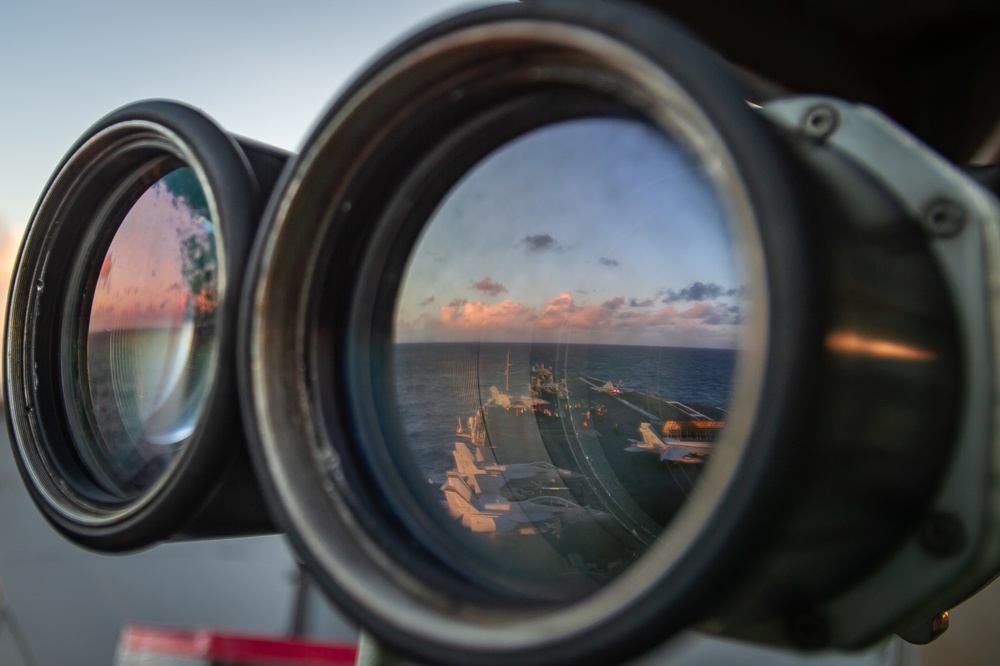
(486, 512)
(609, 387)
(670, 449)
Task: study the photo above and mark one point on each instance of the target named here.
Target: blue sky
(262, 69)
(590, 231)
(267, 70)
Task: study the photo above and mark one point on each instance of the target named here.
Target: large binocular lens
(549, 346)
(553, 346)
(506, 332)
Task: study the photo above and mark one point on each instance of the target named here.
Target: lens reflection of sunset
(593, 231)
(160, 268)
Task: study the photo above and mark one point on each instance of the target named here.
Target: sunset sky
(596, 231)
(141, 283)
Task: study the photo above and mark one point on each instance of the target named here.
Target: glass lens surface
(566, 335)
(150, 354)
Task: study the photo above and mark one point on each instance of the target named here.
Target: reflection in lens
(150, 352)
(566, 336)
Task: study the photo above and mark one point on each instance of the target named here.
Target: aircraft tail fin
(457, 484)
(499, 398)
(480, 481)
(458, 495)
(465, 463)
(650, 438)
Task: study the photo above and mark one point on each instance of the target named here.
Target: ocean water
(440, 385)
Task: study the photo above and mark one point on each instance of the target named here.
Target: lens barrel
(326, 373)
(121, 332)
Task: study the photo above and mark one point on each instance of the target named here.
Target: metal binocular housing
(559, 335)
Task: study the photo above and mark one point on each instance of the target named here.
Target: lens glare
(149, 351)
(566, 337)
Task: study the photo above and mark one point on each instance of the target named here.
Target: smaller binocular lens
(574, 305)
(150, 352)
(120, 383)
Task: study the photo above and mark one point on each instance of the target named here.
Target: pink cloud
(697, 311)
(487, 285)
(667, 315)
(474, 315)
(563, 312)
(609, 322)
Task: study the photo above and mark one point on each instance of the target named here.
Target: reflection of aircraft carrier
(517, 480)
(670, 449)
(556, 474)
(609, 387)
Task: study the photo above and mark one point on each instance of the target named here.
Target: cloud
(699, 291)
(540, 243)
(563, 312)
(697, 311)
(487, 285)
(604, 261)
(478, 315)
(714, 315)
(427, 301)
(562, 317)
(667, 315)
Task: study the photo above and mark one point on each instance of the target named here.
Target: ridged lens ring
(150, 350)
(121, 326)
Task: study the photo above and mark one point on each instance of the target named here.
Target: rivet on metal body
(820, 121)
(944, 217)
(943, 535)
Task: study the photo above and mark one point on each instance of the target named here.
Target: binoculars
(555, 339)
